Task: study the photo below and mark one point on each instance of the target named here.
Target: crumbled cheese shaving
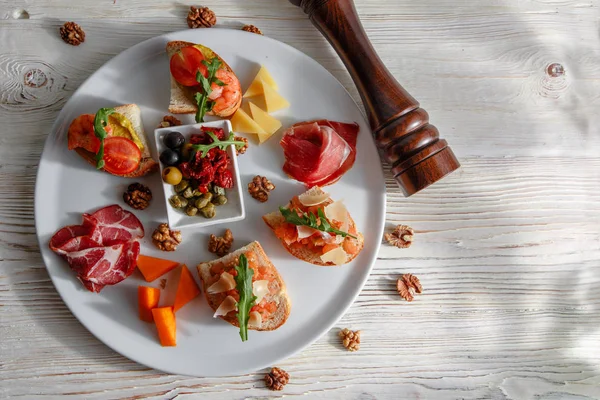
(225, 283)
(338, 211)
(255, 320)
(260, 289)
(313, 196)
(337, 256)
(228, 305)
(305, 231)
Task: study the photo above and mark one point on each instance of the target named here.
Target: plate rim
(318, 333)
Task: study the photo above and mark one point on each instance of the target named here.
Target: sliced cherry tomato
(121, 155)
(184, 65)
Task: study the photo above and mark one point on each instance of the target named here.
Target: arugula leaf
(310, 220)
(100, 123)
(221, 144)
(205, 105)
(243, 281)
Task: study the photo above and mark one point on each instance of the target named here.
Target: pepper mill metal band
(401, 128)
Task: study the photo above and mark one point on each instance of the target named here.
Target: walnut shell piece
(350, 339)
(137, 196)
(277, 379)
(169, 120)
(401, 237)
(260, 187)
(241, 150)
(72, 33)
(166, 239)
(202, 17)
(220, 245)
(252, 29)
(408, 285)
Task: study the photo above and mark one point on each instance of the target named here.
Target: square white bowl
(232, 211)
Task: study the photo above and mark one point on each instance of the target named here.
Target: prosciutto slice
(103, 250)
(319, 152)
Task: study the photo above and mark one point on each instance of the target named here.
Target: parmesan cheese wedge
(269, 124)
(225, 283)
(255, 320)
(313, 196)
(228, 305)
(256, 87)
(273, 100)
(338, 211)
(305, 231)
(242, 123)
(337, 256)
(260, 289)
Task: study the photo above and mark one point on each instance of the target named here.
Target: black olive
(173, 140)
(169, 157)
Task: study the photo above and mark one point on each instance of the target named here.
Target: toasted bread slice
(275, 219)
(133, 113)
(182, 97)
(278, 292)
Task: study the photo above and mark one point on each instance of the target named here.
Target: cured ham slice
(319, 152)
(103, 250)
(117, 225)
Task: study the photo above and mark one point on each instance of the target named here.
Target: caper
(218, 190)
(220, 200)
(188, 193)
(181, 186)
(178, 201)
(197, 193)
(191, 210)
(209, 210)
(203, 200)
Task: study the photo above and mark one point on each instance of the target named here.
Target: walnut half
(260, 187)
(166, 239)
(220, 245)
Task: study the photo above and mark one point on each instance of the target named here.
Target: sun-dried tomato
(224, 179)
(204, 138)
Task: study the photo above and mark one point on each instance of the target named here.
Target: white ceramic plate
(68, 186)
(232, 211)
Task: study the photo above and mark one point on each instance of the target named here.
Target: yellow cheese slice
(256, 87)
(242, 123)
(273, 100)
(269, 124)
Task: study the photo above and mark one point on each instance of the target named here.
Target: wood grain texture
(507, 248)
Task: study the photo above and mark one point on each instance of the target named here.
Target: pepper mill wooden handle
(400, 127)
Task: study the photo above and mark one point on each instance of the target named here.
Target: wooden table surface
(507, 248)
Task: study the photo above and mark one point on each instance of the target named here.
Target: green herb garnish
(243, 281)
(100, 123)
(205, 105)
(221, 144)
(312, 221)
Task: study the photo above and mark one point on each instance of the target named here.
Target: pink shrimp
(225, 97)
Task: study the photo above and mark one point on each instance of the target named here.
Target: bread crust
(276, 319)
(181, 101)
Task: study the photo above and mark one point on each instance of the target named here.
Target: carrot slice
(152, 267)
(164, 318)
(187, 289)
(148, 298)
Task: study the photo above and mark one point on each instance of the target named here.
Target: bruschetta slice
(272, 305)
(316, 229)
(226, 97)
(124, 123)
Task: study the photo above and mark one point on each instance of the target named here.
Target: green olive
(197, 193)
(181, 186)
(177, 201)
(191, 210)
(172, 175)
(209, 211)
(186, 151)
(188, 193)
(220, 200)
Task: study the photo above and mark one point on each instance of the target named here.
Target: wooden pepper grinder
(400, 127)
